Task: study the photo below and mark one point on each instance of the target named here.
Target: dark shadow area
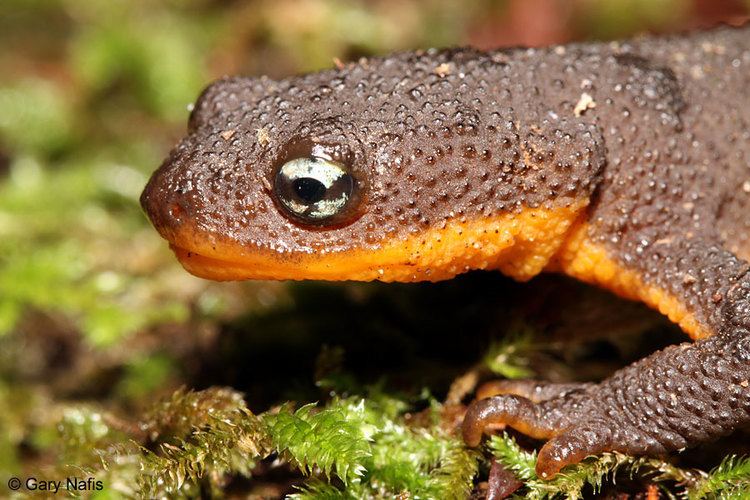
(424, 335)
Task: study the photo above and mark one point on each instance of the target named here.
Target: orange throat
(590, 262)
(518, 244)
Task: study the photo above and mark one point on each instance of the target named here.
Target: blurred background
(95, 311)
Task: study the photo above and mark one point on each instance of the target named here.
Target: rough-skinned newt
(624, 164)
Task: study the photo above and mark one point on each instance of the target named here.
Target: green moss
(509, 356)
(730, 479)
(586, 477)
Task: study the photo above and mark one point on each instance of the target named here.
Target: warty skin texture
(428, 150)
(635, 154)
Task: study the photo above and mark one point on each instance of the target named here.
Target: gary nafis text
(53, 486)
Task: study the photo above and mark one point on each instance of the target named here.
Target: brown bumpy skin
(625, 164)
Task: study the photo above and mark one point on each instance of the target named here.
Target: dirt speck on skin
(263, 137)
(443, 70)
(584, 103)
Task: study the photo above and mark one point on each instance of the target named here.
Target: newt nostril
(175, 210)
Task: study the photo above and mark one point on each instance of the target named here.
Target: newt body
(624, 164)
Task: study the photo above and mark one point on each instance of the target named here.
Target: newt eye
(313, 189)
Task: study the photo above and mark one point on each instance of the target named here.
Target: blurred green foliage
(506, 357)
(78, 160)
(97, 320)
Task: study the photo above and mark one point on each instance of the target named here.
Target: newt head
(412, 167)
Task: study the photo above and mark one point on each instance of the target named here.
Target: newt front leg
(679, 397)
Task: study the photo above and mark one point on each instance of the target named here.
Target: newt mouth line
(260, 266)
(226, 269)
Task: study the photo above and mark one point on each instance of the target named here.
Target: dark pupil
(308, 189)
